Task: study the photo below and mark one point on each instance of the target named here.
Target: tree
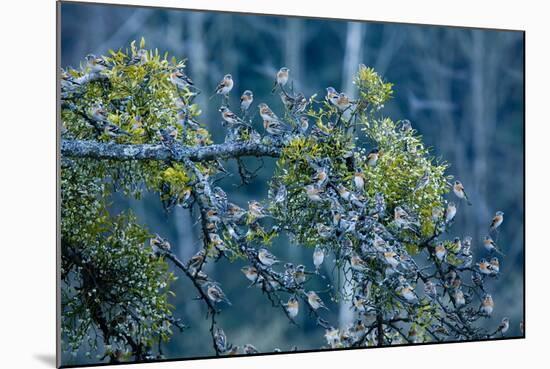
(350, 184)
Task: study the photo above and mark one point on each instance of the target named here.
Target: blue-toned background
(461, 88)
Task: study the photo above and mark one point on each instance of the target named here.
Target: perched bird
(221, 340)
(216, 294)
(497, 220)
(300, 274)
(400, 216)
(157, 242)
(323, 230)
(358, 264)
(458, 189)
(359, 181)
(251, 273)
(196, 260)
(372, 157)
(440, 251)
(407, 293)
(225, 85)
(246, 99)
(99, 114)
(487, 305)
(332, 95)
(490, 245)
(504, 325)
(266, 113)
(315, 301)
(320, 177)
(234, 212)
(275, 127)
(267, 258)
(95, 64)
(459, 298)
(390, 258)
(304, 124)
(113, 130)
(360, 303)
(332, 335)
(180, 80)
(248, 349)
(437, 213)
(494, 265)
(467, 245)
(292, 307)
(318, 257)
(450, 212)
(256, 210)
(229, 117)
(423, 182)
(343, 102)
(484, 267)
(281, 79)
(313, 193)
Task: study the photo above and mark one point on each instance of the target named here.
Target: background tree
(355, 186)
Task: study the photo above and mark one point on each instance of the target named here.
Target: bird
(256, 210)
(318, 257)
(267, 258)
(487, 305)
(313, 193)
(422, 182)
(504, 325)
(494, 265)
(389, 257)
(281, 79)
(246, 100)
(215, 293)
(95, 64)
(320, 177)
(359, 303)
(497, 220)
(196, 260)
(358, 264)
(315, 301)
(251, 273)
(113, 130)
(400, 216)
(458, 189)
(359, 181)
(323, 230)
(180, 80)
(459, 298)
(221, 340)
(440, 251)
(477, 279)
(234, 212)
(490, 245)
(249, 349)
(229, 117)
(99, 114)
(407, 293)
(372, 157)
(300, 274)
(292, 307)
(343, 102)
(266, 113)
(437, 213)
(450, 212)
(225, 85)
(275, 127)
(304, 124)
(157, 242)
(332, 95)
(484, 267)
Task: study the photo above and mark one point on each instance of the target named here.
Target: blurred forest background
(462, 89)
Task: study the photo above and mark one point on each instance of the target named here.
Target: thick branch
(177, 152)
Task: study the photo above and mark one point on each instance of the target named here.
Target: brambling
(251, 273)
(256, 210)
(267, 258)
(300, 274)
(390, 258)
(318, 257)
(459, 298)
(234, 212)
(379, 243)
(215, 293)
(275, 127)
(504, 325)
(343, 192)
(113, 130)
(217, 241)
(324, 230)
(494, 264)
(229, 117)
(450, 212)
(248, 349)
(407, 293)
(320, 177)
(304, 124)
(157, 242)
(484, 267)
(458, 189)
(343, 102)
(292, 307)
(497, 220)
(332, 335)
(358, 264)
(359, 303)
(246, 100)
(359, 181)
(400, 216)
(423, 182)
(437, 213)
(196, 260)
(212, 216)
(491, 246)
(299, 103)
(430, 289)
(225, 85)
(315, 301)
(332, 95)
(440, 251)
(281, 79)
(266, 113)
(220, 340)
(487, 305)
(180, 80)
(95, 64)
(372, 157)
(313, 193)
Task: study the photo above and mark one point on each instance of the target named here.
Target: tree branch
(177, 152)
